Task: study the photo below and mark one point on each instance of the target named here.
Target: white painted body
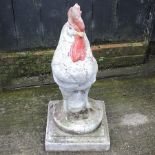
(73, 78)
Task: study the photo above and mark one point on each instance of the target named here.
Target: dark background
(32, 24)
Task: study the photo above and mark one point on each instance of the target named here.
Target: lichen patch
(134, 119)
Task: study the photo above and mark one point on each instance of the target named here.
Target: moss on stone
(123, 51)
(123, 61)
(30, 63)
(24, 64)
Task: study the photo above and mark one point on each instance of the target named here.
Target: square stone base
(57, 140)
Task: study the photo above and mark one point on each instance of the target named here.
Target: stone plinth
(58, 140)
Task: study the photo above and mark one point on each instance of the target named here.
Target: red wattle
(77, 51)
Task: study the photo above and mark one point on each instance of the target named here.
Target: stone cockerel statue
(76, 123)
(73, 65)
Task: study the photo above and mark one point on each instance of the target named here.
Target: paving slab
(130, 108)
(58, 140)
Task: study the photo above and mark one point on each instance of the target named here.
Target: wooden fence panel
(54, 16)
(120, 20)
(152, 44)
(32, 24)
(102, 21)
(28, 24)
(7, 28)
(153, 32)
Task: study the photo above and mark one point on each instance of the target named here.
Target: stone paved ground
(130, 106)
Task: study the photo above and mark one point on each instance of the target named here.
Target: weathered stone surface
(23, 116)
(133, 71)
(120, 49)
(58, 140)
(15, 65)
(83, 122)
(37, 63)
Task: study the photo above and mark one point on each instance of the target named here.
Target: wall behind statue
(152, 43)
(35, 24)
(153, 32)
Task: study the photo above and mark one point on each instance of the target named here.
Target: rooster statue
(73, 65)
(76, 123)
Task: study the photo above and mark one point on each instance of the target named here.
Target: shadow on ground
(130, 106)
